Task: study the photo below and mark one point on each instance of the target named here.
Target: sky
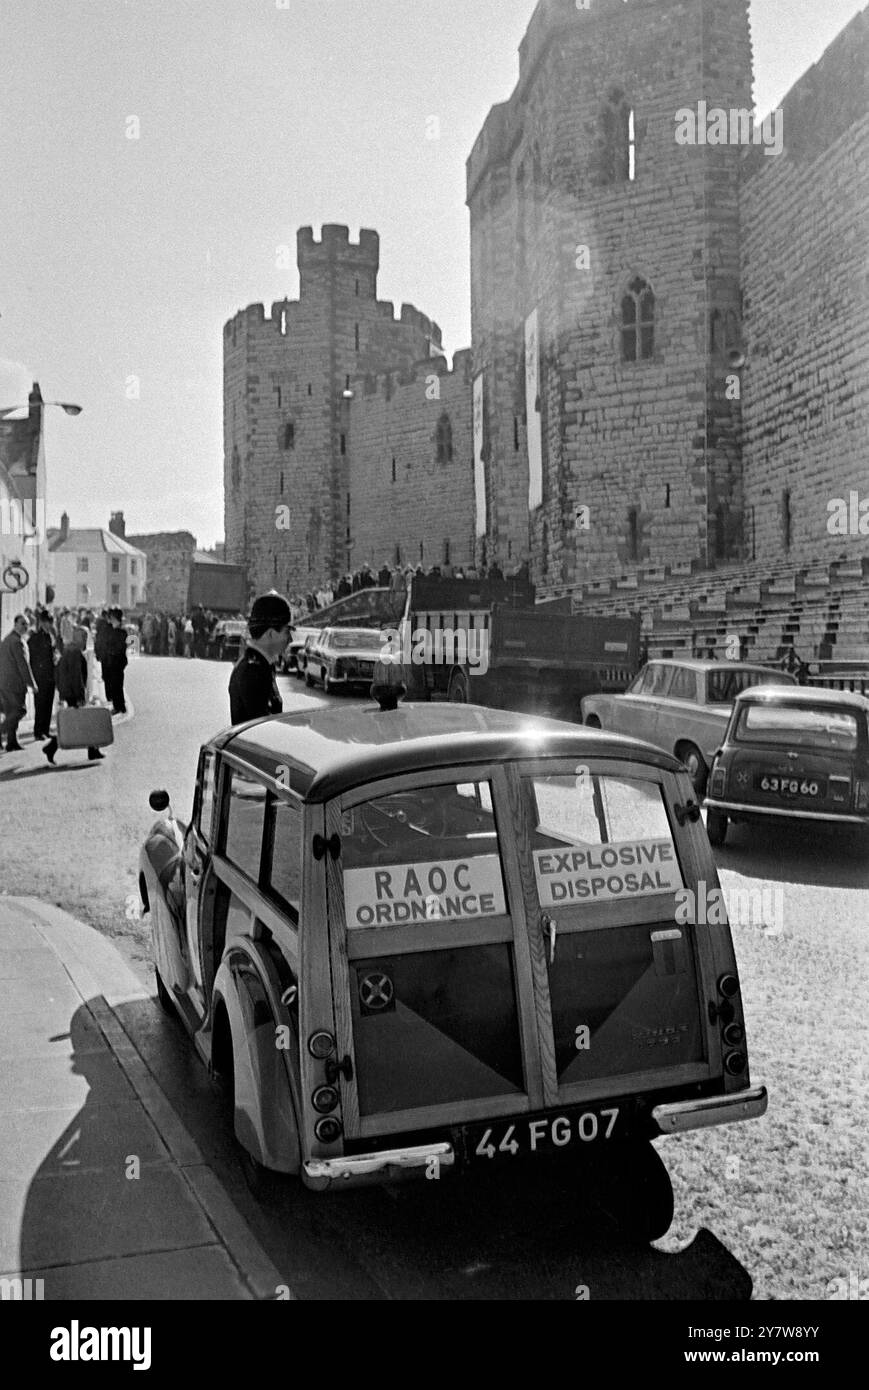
(121, 259)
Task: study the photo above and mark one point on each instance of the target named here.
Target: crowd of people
(178, 634)
(54, 654)
(395, 577)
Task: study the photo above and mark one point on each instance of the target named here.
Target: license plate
(791, 786)
(548, 1134)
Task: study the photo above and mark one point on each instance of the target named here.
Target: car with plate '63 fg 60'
(432, 939)
(793, 754)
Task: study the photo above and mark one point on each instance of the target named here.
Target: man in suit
(114, 661)
(71, 676)
(42, 646)
(253, 690)
(16, 678)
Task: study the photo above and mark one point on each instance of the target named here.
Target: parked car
(680, 705)
(792, 755)
(308, 649)
(343, 656)
(430, 940)
(228, 638)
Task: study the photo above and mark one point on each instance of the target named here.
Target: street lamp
(64, 405)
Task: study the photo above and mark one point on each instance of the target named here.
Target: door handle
(549, 927)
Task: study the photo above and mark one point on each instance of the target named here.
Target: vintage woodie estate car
(682, 705)
(440, 936)
(792, 754)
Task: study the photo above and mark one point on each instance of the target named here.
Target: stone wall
(169, 557)
(402, 499)
(655, 435)
(806, 288)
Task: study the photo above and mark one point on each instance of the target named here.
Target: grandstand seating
(819, 608)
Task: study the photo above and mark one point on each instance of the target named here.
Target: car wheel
(163, 995)
(693, 760)
(716, 827)
(458, 689)
(634, 1192)
(263, 1183)
(592, 722)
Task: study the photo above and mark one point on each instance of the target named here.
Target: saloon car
(228, 638)
(681, 705)
(343, 657)
(433, 939)
(791, 755)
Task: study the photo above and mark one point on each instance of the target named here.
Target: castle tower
(605, 290)
(287, 380)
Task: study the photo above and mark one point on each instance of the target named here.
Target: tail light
(321, 1045)
(339, 668)
(728, 985)
(733, 1034)
(328, 1129)
(717, 781)
(735, 1062)
(861, 796)
(324, 1099)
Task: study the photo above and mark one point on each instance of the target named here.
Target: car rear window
(424, 854)
(597, 838)
(356, 639)
(813, 727)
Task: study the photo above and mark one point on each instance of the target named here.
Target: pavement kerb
(108, 979)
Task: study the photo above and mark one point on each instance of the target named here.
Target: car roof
(803, 695)
(695, 663)
(330, 750)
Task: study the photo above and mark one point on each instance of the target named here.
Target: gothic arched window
(444, 439)
(618, 140)
(638, 321)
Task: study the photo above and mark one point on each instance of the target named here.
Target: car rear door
(430, 958)
(619, 981)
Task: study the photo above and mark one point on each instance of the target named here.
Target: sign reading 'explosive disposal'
(436, 891)
(595, 873)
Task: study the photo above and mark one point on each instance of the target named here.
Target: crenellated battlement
(335, 244)
(384, 383)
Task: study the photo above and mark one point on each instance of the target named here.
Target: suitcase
(88, 727)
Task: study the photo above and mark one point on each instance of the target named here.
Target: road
(779, 1203)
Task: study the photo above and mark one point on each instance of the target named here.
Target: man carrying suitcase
(70, 676)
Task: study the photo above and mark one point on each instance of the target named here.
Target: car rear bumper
(743, 808)
(391, 1165)
(678, 1116)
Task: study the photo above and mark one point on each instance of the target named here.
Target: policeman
(253, 691)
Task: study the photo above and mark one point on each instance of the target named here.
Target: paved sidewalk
(103, 1193)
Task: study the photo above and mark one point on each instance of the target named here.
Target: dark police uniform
(253, 690)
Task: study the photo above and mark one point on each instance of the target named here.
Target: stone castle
(670, 340)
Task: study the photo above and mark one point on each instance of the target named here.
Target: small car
(432, 939)
(343, 656)
(790, 755)
(681, 705)
(305, 652)
(229, 638)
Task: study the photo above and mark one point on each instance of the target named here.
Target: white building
(96, 569)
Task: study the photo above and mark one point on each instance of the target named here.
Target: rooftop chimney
(64, 526)
(117, 525)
